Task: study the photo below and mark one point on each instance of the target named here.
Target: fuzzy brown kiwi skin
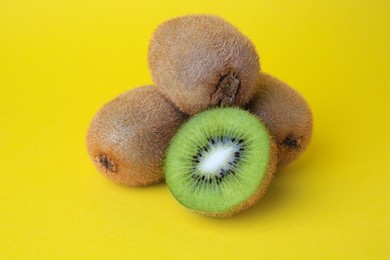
(202, 61)
(286, 114)
(128, 137)
(259, 194)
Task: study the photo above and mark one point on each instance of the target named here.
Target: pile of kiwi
(213, 125)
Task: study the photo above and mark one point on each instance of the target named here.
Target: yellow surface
(61, 60)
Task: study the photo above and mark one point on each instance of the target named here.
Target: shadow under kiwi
(154, 186)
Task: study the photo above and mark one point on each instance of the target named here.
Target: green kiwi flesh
(128, 137)
(220, 162)
(202, 61)
(286, 114)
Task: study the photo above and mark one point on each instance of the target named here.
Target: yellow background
(61, 60)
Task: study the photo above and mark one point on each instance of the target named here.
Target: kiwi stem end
(292, 142)
(226, 90)
(106, 163)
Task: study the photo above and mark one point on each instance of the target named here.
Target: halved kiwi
(128, 137)
(202, 61)
(220, 162)
(286, 114)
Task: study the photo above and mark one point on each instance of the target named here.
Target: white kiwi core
(216, 159)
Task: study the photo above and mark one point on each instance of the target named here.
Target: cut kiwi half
(220, 162)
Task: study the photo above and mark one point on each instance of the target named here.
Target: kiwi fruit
(286, 114)
(202, 61)
(128, 137)
(220, 162)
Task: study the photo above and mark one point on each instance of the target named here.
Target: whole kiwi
(128, 137)
(286, 114)
(202, 61)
